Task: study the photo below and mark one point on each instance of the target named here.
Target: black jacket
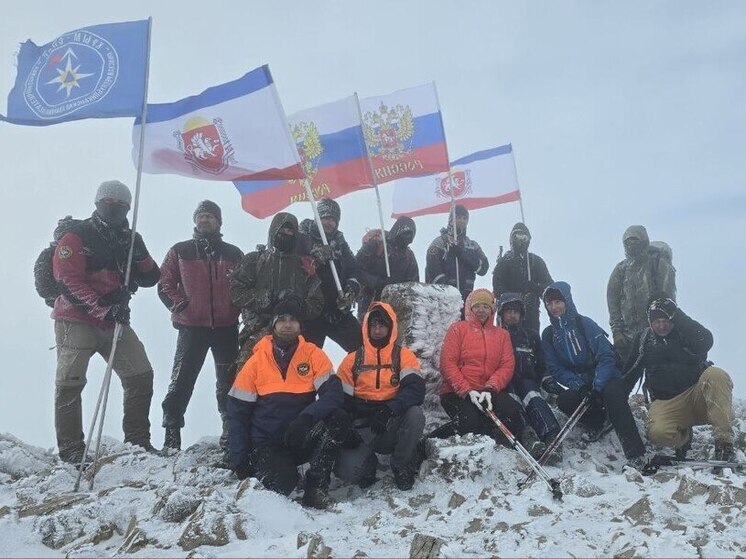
(530, 363)
(672, 364)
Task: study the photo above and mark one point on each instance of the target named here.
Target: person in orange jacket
(275, 420)
(477, 364)
(384, 391)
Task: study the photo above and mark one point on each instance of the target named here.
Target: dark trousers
(277, 466)
(616, 405)
(540, 416)
(191, 349)
(467, 418)
(343, 329)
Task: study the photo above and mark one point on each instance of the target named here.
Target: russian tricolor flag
(233, 130)
(329, 139)
(404, 133)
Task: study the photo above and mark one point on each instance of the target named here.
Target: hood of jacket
(402, 224)
(639, 232)
(518, 228)
(570, 310)
(277, 223)
(393, 335)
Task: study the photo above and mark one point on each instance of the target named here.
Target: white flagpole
(450, 184)
(378, 194)
(104, 394)
(322, 233)
(520, 205)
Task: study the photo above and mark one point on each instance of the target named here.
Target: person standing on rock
(89, 264)
(285, 409)
(195, 287)
(384, 391)
(685, 388)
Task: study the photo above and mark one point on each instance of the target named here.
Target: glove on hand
(379, 421)
(667, 306)
(551, 386)
(118, 313)
(139, 252)
(322, 253)
(476, 398)
(620, 341)
(179, 306)
(485, 400)
(298, 431)
(345, 301)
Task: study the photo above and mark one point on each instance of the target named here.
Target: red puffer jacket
(475, 356)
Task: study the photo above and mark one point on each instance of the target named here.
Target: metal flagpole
(104, 394)
(322, 233)
(450, 185)
(520, 204)
(378, 194)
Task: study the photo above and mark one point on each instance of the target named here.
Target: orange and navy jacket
(377, 384)
(263, 402)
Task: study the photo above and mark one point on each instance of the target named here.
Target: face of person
(329, 225)
(378, 330)
(112, 211)
(633, 246)
(206, 223)
(461, 222)
(482, 311)
(556, 307)
(511, 317)
(661, 326)
(287, 328)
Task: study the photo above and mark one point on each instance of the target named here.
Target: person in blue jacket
(580, 357)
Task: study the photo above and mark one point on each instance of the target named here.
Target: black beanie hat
(208, 207)
(289, 305)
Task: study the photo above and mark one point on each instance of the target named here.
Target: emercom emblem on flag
(308, 142)
(388, 131)
(205, 145)
(460, 184)
(77, 69)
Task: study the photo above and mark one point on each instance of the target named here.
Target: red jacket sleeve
(450, 355)
(69, 267)
(504, 372)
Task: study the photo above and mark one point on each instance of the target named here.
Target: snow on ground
(466, 496)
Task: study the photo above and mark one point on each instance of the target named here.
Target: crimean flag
(91, 72)
(330, 142)
(232, 131)
(404, 133)
(485, 178)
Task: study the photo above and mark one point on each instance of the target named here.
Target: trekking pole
(552, 483)
(566, 428)
(662, 460)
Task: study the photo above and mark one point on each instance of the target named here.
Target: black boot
(404, 477)
(531, 442)
(686, 447)
(316, 497)
(172, 440)
(138, 392)
(724, 451)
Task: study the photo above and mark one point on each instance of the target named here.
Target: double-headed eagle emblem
(309, 145)
(388, 131)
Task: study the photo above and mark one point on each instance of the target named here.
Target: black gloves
(139, 252)
(118, 313)
(298, 430)
(551, 386)
(595, 396)
(379, 421)
(349, 296)
(322, 253)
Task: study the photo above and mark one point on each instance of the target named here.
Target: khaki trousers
(709, 402)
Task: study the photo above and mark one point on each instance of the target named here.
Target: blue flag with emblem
(92, 72)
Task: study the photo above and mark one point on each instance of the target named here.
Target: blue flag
(93, 72)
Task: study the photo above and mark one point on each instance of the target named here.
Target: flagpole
(520, 205)
(104, 394)
(322, 233)
(450, 185)
(378, 193)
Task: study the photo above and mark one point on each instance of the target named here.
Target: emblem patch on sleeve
(303, 369)
(64, 252)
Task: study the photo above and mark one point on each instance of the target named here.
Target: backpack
(358, 367)
(44, 282)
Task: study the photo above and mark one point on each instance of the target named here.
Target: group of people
(282, 403)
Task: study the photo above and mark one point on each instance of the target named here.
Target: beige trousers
(709, 402)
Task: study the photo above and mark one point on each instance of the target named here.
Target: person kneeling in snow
(685, 388)
(530, 369)
(580, 357)
(384, 392)
(275, 421)
(477, 364)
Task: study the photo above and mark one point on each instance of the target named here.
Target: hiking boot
(75, 457)
(532, 443)
(403, 478)
(149, 448)
(172, 440)
(316, 497)
(686, 447)
(724, 451)
(638, 463)
(594, 435)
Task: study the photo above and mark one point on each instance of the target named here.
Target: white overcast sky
(619, 114)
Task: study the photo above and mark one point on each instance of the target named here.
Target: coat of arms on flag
(388, 131)
(308, 142)
(459, 184)
(205, 144)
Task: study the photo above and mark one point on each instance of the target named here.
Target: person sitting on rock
(477, 365)
(384, 392)
(275, 420)
(581, 358)
(685, 388)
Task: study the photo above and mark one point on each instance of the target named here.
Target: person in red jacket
(195, 287)
(477, 364)
(89, 264)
